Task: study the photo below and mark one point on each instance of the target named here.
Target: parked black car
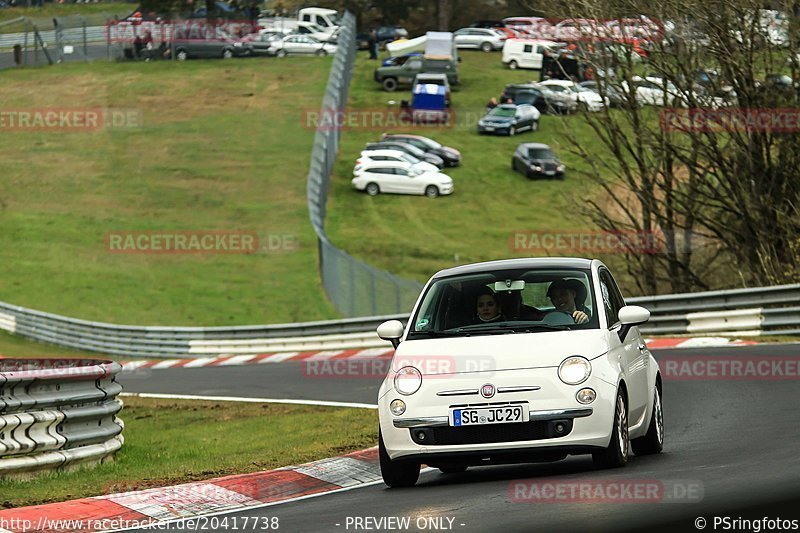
(508, 119)
(451, 156)
(537, 160)
(410, 149)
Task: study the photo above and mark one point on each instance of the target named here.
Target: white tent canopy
(438, 44)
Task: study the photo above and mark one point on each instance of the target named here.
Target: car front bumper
(586, 427)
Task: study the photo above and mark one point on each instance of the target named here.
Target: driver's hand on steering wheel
(580, 317)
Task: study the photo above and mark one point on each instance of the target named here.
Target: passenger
(487, 306)
(568, 295)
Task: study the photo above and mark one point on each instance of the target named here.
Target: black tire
(513, 65)
(372, 189)
(431, 191)
(181, 54)
(653, 441)
(487, 46)
(616, 455)
(396, 474)
(390, 84)
(227, 53)
(453, 469)
(322, 52)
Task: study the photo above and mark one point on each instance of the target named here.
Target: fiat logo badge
(487, 391)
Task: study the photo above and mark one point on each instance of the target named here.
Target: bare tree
(703, 171)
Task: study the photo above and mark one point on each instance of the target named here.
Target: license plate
(549, 172)
(489, 415)
(489, 128)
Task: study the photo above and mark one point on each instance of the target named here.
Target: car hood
(452, 152)
(498, 120)
(498, 352)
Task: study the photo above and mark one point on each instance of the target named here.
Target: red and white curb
(198, 499)
(381, 353)
(238, 360)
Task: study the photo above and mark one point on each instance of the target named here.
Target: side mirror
(631, 315)
(391, 331)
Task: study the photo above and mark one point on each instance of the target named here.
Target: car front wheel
(281, 53)
(396, 474)
(227, 53)
(512, 131)
(486, 47)
(653, 441)
(373, 189)
(431, 191)
(390, 84)
(513, 65)
(616, 454)
(181, 55)
(321, 52)
(535, 125)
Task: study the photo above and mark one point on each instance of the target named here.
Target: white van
(526, 53)
(327, 19)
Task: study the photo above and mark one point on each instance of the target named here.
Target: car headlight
(560, 168)
(584, 396)
(537, 168)
(408, 380)
(397, 407)
(238, 45)
(481, 122)
(574, 370)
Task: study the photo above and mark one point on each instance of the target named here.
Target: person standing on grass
(373, 44)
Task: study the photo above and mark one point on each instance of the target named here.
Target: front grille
(450, 435)
(550, 167)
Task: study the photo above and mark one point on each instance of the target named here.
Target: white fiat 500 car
(520, 360)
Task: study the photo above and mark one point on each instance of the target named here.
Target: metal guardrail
(768, 310)
(57, 414)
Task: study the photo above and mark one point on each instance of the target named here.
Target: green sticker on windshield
(422, 324)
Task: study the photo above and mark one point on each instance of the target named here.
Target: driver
(564, 294)
(514, 309)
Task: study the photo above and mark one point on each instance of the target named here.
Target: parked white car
(485, 39)
(516, 361)
(302, 44)
(400, 178)
(526, 53)
(371, 156)
(655, 91)
(581, 96)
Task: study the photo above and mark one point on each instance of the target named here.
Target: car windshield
(408, 158)
(502, 112)
(525, 98)
(506, 302)
(541, 153)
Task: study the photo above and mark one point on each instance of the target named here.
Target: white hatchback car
(401, 178)
(519, 360)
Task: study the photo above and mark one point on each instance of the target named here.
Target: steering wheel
(556, 317)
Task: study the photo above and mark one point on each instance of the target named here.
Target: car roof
(383, 151)
(404, 135)
(540, 146)
(563, 83)
(525, 262)
(392, 164)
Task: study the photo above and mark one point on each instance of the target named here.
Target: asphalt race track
(730, 444)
